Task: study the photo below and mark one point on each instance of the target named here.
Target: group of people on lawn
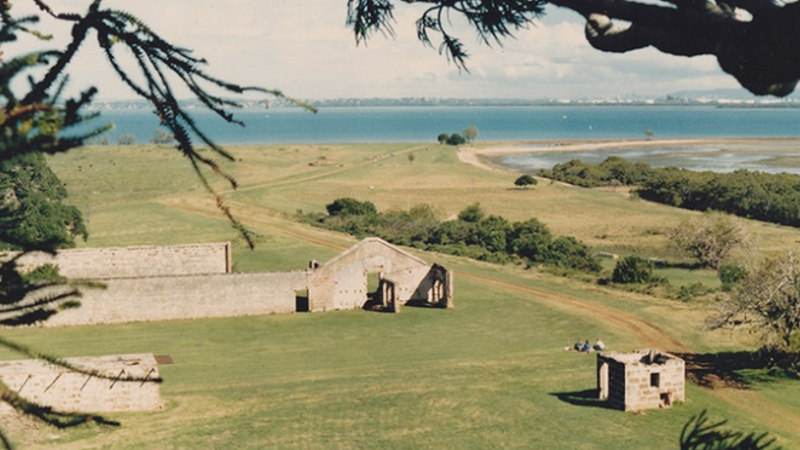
(584, 346)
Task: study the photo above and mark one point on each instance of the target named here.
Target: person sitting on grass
(586, 347)
(578, 346)
(599, 345)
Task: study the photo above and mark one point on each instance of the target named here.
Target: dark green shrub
(531, 240)
(566, 251)
(730, 274)
(456, 139)
(472, 213)
(350, 207)
(525, 180)
(632, 269)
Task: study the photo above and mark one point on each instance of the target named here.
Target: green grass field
(489, 373)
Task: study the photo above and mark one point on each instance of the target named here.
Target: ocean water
(424, 124)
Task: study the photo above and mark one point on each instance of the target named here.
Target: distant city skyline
(305, 50)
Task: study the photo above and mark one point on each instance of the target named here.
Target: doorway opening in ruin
(373, 300)
(602, 382)
(301, 301)
(666, 399)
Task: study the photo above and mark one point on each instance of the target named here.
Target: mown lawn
(490, 373)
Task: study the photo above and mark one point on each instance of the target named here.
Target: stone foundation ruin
(64, 390)
(644, 379)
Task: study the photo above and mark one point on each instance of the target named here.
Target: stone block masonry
(151, 283)
(644, 379)
(135, 261)
(186, 297)
(63, 390)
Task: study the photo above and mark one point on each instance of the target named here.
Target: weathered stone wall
(644, 379)
(136, 261)
(61, 389)
(194, 283)
(341, 283)
(187, 297)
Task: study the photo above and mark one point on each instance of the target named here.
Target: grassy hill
(490, 373)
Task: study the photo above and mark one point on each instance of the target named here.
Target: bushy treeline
(473, 234)
(758, 195)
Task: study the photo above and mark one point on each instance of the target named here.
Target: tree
(36, 119)
(531, 240)
(161, 137)
(754, 41)
(34, 213)
(126, 139)
(472, 213)
(525, 181)
(699, 434)
(709, 238)
(350, 207)
(456, 139)
(767, 301)
(470, 133)
(632, 269)
(442, 138)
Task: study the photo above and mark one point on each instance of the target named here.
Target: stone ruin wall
(185, 297)
(193, 281)
(63, 390)
(136, 261)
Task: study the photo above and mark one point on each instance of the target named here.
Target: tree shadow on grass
(739, 370)
(588, 397)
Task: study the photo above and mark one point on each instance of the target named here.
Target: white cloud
(303, 48)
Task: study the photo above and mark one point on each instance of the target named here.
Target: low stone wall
(188, 297)
(136, 261)
(64, 390)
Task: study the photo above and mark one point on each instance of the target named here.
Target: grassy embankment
(489, 373)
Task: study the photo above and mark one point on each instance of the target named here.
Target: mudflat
(488, 157)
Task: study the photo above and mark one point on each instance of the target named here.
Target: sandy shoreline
(481, 156)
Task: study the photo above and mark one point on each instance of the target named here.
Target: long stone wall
(187, 297)
(64, 390)
(136, 261)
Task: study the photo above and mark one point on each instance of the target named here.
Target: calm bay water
(423, 124)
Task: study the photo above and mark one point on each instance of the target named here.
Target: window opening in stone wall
(655, 379)
(301, 301)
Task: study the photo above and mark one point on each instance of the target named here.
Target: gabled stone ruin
(341, 283)
(643, 379)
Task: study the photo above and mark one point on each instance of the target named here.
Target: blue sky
(303, 48)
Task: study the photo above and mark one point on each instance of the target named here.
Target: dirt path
(648, 334)
(337, 170)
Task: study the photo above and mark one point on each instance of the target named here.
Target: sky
(303, 48)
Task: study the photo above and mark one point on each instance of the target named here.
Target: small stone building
(643, 379)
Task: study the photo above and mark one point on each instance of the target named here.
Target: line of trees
(468, 135)
(473, 234)
(758, 195)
